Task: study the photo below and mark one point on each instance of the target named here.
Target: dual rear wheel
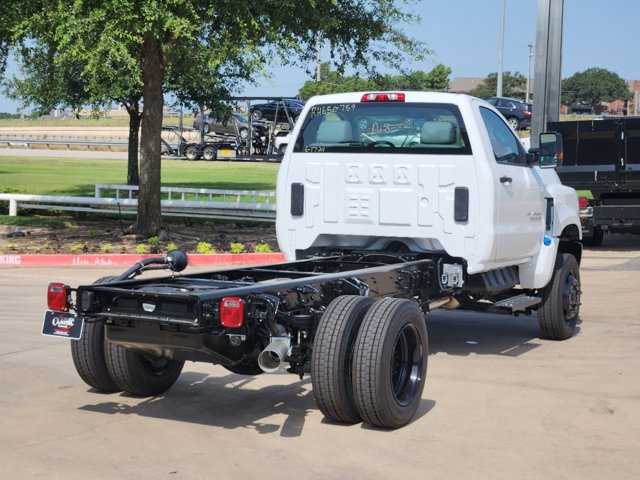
(369, 361)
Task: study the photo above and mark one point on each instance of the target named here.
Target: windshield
(389, 127)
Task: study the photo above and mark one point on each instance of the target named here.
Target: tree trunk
(149, 220)
(133, 177)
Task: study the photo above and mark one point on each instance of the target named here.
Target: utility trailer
(603, 157)
(390, 205)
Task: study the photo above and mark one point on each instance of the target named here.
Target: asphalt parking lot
(499, 403)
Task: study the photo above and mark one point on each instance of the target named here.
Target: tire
(390, 363)
(594, 240)
(513, 122)
(209, 153)
(244, 134)
(560, 310)
(256, 114)
(140, 373)
(206, 128)
(88, 354)
(331, 360)
(191, 152)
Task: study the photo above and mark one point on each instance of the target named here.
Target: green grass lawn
(67, 176)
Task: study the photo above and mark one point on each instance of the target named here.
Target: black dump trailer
(603, 157)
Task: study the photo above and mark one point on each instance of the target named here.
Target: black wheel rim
(571, 298)
(406, 365)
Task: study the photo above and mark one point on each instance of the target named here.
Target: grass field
(67, 176)
(86, 122)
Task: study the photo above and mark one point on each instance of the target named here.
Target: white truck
(390, 204)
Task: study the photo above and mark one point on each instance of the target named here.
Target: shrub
(204, 247)
(172, 246)
(141, 248)
(106, 248)
(154, 241)
(77, 248)
(236, 247)
(263, 248)
(11, 246)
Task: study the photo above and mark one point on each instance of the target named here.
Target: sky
(464, 35)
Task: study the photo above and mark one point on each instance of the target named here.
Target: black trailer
(603, 157)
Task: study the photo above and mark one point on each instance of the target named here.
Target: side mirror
(551, 152)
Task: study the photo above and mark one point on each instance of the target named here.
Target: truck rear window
(390, 127)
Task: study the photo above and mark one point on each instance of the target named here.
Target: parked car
(267, 111)
(517, 112)
(228, 127)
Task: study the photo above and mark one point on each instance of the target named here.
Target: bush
(263, 248)
(204, 247)
(141, 248)
(236, 247)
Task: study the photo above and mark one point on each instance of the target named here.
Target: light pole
(500, 50)
(529, 76)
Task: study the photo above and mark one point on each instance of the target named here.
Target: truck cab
(425, 172)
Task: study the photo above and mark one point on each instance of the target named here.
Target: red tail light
(382, 97)
(57, 297)
(231, 312)
(527, 113)
(583, 202)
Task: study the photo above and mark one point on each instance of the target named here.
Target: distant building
(464, 84)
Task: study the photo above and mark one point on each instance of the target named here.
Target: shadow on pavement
(466, 333)
(223, 402)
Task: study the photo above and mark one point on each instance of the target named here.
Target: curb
(125, 260)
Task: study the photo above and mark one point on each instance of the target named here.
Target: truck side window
(506, 146)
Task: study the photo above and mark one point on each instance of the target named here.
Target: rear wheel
(191, 152)
(256, 114)
(209, 153)
(88, 354)
(206, 128)
(513, 122)
(141, 373)
(390, 363)
(332, 357)
(559, 313)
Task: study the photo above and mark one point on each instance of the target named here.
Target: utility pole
(529, 75)
(546, 83)
(500, 50)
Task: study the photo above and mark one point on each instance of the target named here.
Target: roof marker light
(383, 97)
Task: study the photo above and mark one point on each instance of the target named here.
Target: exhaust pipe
(272, 358)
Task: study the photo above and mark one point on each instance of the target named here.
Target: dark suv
(517, 112)
(237, 121)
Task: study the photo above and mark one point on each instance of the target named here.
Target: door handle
(506, 180)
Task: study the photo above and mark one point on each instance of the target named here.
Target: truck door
(518, 190)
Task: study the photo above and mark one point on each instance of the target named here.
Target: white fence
(185, 202)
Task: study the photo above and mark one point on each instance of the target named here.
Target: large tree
(593, 86)
(221, 43)
(513, 85)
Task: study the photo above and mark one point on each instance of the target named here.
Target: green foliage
(106, 248)
(11, 246)
(141, 249)
(154, 241)
(263, 248)
(204, 247)
(235, 247)
(593, 86)
(77, 248)
(47, 245)
(171, 246)
(334, 82)
(513, 85)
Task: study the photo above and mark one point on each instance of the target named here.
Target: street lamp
(529, 76)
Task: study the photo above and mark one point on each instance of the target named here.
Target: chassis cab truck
(390, 204)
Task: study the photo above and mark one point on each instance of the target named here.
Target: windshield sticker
(328, 109)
